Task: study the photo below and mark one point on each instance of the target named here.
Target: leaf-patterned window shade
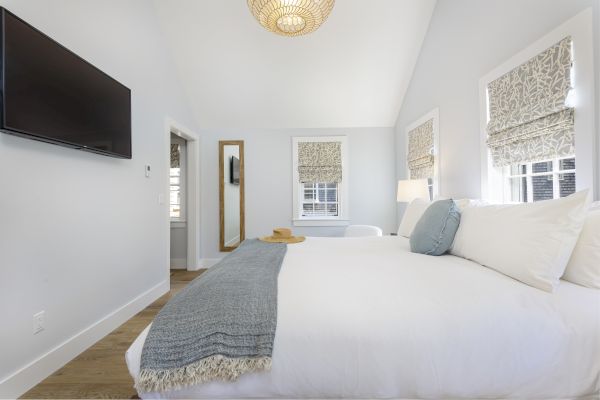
(420, 151)
(529, 117)
(175, 159)
(320, 162)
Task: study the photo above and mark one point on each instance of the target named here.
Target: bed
(365, 318)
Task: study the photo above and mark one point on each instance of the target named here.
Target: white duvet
(365, 318)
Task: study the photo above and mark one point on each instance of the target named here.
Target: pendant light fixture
(291, 17)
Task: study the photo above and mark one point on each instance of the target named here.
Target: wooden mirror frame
(222, 144)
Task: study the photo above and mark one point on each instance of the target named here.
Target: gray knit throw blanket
(219, 326)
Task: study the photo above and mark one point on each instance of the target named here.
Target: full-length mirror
(231, 193)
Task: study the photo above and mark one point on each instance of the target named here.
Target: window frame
(315, 200)
(342, 219)
(435, 179)
(182, 181)
(554, 173)
(580, 29)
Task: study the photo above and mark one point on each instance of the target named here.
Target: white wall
(178, 245)
(268, 174)
(467, 39)
(82, 235)
(231, 199)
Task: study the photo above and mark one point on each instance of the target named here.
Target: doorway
(183, 197)
(177, 202)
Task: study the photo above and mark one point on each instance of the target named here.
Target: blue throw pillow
(434, 233)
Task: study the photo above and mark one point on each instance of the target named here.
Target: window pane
(543, 188)
(331, 195)
(174, 180)
(545, 166)
(332, 210)
(175, 172)
(568, 163)
(307, 209)
(174, 211)
(320, 209)
(566, 183)
(309, 195)
(320, 200)
(321, 195)
(174, 199)
(518, 189)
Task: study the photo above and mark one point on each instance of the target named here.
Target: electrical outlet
(38, 322)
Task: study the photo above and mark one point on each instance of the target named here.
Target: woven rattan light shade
(291, 17)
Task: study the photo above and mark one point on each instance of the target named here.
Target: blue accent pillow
(434, 233)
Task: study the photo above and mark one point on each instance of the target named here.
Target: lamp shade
(410, 189)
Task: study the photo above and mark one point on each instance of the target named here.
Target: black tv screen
(51, 94)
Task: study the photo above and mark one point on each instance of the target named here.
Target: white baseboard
(178, 263)
(207, 262)
(30, 375)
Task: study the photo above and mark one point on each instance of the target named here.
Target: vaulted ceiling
(352, 72)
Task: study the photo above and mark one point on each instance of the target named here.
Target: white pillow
(412, 215)
(584, 265)
(530, 242)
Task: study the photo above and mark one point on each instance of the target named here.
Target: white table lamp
(410, 189)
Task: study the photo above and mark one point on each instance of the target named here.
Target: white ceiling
(352, 72)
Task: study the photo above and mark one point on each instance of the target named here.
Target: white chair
(362, 230)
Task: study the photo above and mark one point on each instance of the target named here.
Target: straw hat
(282, 235)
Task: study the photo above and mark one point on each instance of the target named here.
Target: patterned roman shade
(175, 156)
(420, 151)
(529, 119)
(320, 162)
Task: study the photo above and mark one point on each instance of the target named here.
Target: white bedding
(365, 318)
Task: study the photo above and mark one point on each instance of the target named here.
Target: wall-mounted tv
(49, 93)
(234, 170)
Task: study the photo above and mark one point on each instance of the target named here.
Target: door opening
(177, 202)
(183, 188)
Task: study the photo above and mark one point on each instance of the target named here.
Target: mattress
(366, 318)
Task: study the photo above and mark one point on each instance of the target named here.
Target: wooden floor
(100, 372)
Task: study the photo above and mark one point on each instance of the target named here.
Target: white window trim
(180, 222)
(580, 28)
(435, 115)
(343, 218)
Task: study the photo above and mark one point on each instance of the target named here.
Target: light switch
(161, 198)
(38, 322)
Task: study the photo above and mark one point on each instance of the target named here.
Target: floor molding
(207, 263)
(30, 375)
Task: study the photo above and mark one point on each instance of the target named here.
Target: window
(320, 174)
(422, 155)
(544, 180)
(320, 200)
(177, 179)
(538, 105)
